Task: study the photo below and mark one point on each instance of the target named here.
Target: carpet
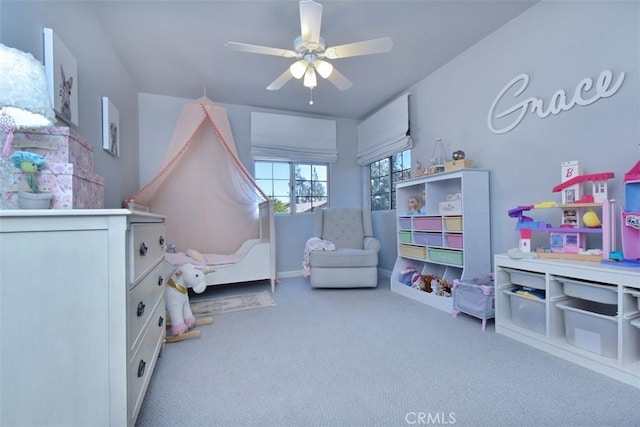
(221, 305)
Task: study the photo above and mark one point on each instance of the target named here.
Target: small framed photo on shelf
(110, 127)
(61, 69)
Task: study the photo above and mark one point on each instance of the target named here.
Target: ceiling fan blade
(339, 80)
(366, 47)
(310, 20)
(280, 81)
(264, 50)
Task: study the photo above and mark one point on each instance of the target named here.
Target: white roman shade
(385, 132)
(293, 138)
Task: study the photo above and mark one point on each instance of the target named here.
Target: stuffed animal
(422, 282)
(177, 297)
(427, 278)
(441, 287)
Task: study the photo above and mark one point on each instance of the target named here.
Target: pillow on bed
(192, 253)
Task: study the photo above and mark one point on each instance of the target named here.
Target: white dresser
(81, 315)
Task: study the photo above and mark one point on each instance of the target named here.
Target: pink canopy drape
(208, 197)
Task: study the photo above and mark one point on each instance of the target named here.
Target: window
(310, 185)
(384, 174)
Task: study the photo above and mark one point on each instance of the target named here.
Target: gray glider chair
(354, 262)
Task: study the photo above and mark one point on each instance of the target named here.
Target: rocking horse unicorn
(177, 300)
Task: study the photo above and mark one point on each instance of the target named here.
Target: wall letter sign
(586, 93)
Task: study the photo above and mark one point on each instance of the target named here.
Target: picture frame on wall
(61, 69)
(110, 127)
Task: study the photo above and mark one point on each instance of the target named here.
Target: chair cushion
(343, 227)
(344, 258)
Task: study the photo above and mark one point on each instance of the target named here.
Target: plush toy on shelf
(177, 301)
(422, 282)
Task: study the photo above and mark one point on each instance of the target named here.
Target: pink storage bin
(427, 239)
(427, 224)
(454, 240)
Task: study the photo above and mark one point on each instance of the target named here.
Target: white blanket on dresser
(314, 244)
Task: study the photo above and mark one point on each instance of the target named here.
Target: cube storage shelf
(590, 314)
(435, 242)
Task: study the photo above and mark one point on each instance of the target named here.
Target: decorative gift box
(69, 168)
(450, 207)
(458, 164)
(57, 144)
(72, 187)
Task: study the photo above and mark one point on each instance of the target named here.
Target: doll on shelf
(414, 204)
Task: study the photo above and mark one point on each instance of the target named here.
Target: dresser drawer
(141, 302)
(142, 363)
(147, 241)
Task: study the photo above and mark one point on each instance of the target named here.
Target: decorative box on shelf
(450, 207)
(57, 144)
(72, 187)
(458, 164)
(69, 168)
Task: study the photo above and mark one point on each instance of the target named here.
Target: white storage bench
(589, 313)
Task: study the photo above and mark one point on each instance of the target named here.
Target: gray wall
(100, 73)
(556, 43)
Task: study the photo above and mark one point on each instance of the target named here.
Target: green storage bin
(404, 236)
(445, 256)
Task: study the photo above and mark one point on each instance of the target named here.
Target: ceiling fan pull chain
(310, 96)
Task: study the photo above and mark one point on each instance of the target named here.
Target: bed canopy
(209, 199)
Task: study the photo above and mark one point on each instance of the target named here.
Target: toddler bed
(254, 260)
(212, 205)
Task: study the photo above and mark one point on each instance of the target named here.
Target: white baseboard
(386, 273)
(287, 274)
(298, 273)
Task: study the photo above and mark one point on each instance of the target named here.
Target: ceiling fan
(312, 52)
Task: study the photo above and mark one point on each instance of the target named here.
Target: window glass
(385, 173)
(310, 185)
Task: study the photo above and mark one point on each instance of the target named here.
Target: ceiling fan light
(310, 79)
(298, 68)
(323, 68)
(330, 53)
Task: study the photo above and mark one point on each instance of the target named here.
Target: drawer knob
(140, 311)
(160, 280)
(160, 321)
(161, 241)
(143, 249)
(141, 367)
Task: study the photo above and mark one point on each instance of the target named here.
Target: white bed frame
(259, 263)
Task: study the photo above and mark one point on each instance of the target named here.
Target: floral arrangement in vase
(30, 163)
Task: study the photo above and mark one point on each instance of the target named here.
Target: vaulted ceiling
(177, 48)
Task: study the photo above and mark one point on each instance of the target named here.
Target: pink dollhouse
(573, 194)
(572, 190)
(631, 214)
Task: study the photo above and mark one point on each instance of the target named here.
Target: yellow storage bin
(445, 256)
(413, 251)
(453, 223)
